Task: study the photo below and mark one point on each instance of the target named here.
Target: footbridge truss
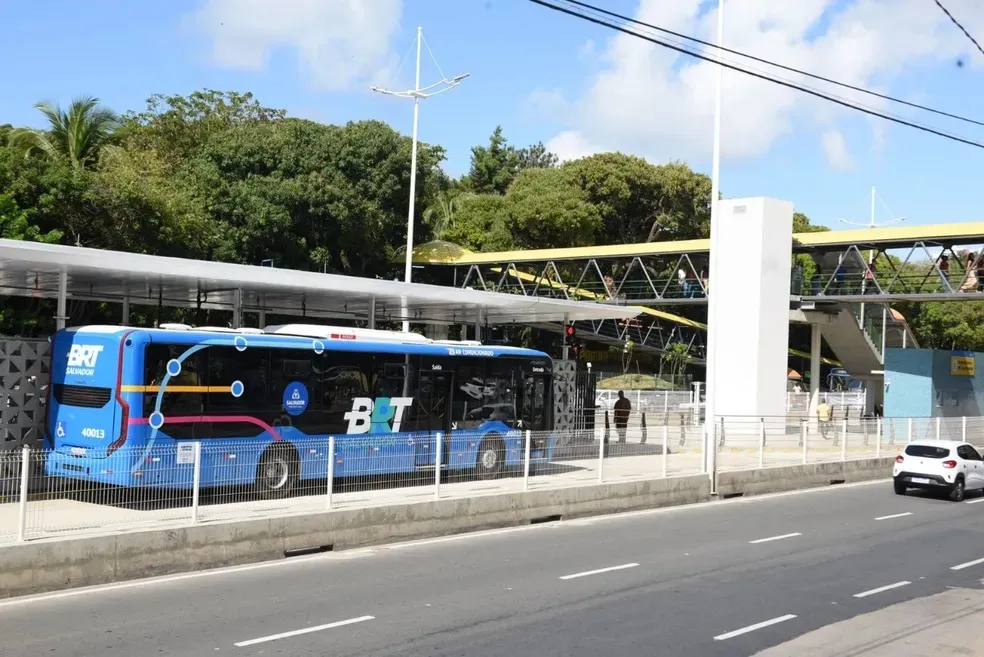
(876, 266)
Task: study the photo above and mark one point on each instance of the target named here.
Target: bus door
(434, 414)
(536, 398)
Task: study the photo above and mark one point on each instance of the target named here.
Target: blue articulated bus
(127, 405)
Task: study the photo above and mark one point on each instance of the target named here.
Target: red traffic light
(569, 330)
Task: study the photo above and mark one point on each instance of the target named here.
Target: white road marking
(881, 589)
(372, 550)
(895, 515)
(775, 538)
(600, 571)
(752, 628)
(968, 564)
(976, 500)
(306, 630)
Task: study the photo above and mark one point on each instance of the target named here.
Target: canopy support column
(372, 313)
(237, 309)
(62, 311)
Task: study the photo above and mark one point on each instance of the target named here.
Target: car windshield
(927, 451)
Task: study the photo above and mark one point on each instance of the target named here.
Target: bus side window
(343, 377)
(500, 391)
(174, 401)
(467, 399)
(394, 375)
(251, 368)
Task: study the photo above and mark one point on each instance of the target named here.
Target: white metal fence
(35, 506)
(842, 403)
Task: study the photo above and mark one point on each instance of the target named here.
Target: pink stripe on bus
(222, 419)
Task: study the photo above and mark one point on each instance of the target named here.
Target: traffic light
(570, 335)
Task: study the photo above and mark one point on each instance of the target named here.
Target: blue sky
(123, 51)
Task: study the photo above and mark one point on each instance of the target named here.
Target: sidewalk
(940, 625)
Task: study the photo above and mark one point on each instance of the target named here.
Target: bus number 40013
(93, 433)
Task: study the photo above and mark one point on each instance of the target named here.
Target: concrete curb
(792, 477)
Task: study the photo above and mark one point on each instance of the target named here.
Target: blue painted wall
(918, 383)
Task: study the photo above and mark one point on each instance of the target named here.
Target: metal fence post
(804, 431)
(843, 440)
(963, 428)
(196, 482)
(909, 431)
(938, 423)
(331, 472)
(601, 461)
(25, 473)
(761, 442)
(666, 445)
(526, 461)
(878, 437)
(437, 465)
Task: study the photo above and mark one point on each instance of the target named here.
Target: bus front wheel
(491, 456)
(277, 472)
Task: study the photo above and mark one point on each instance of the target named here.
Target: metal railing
(204, 479)
(776, 441)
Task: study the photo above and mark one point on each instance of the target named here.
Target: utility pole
(713, 319)
(417, 94)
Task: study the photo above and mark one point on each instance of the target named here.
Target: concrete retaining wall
(59, 564)
(792, 477)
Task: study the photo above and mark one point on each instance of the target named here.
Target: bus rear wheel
(491, 456)
(278, 472)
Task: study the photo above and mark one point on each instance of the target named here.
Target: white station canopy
(30, 269)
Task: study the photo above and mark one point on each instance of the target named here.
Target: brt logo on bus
(382, 415)
(82, 359)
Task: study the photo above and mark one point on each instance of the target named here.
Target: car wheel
(957, 492)
(899, 488)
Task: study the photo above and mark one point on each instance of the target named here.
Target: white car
(939, 465)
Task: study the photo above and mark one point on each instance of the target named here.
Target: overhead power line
(761, 76)
(761, 60)
(959, 26)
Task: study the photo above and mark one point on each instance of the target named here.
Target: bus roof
(333, 337)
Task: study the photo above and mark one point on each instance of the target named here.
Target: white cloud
(835, 148)
(657, 103)
(545, 104)
(338, 43)
(571, 145)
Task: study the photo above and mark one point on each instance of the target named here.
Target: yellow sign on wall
(962, 365)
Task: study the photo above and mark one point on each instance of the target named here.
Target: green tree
(536, 156)
(545, 209)
(642, 202)
(677, 358)
(482, 223)
(75, 135)
(311, 196)
(439, 215)
(15, 224)
(953, 325)
(178, 126)
(493, 167)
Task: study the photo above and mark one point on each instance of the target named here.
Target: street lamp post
(417, 93)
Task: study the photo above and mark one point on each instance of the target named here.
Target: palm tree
(76, 135)
(440, 215)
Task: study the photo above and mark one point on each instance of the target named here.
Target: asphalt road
(728, 578)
